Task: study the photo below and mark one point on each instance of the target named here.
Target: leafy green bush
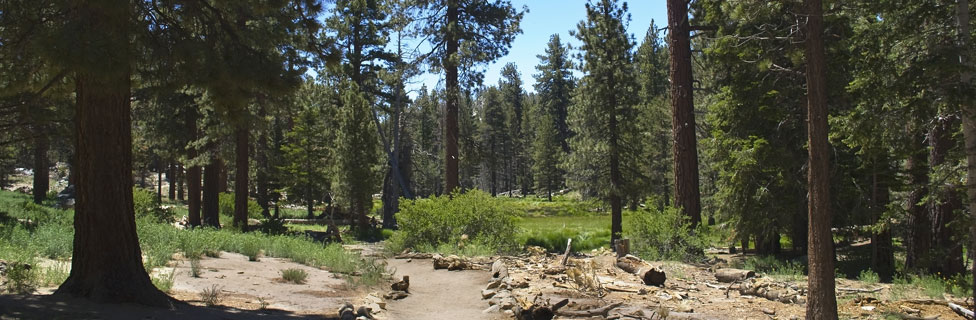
(226, 206)
(665, 235)
(146, 204)
(441, 220)
(22, 278)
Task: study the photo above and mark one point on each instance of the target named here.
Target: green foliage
(146, 204)
(775, 267)
(665, 235)
(164, 282)
(440, 220)
(211, 296)
(868, 276)
(554, 239)
(195, 267)
(547, 154)
(358, 153)
(308, 149)
(22, 275)
(56, 274)
(226, 206)
(294, 275)
(251, 248)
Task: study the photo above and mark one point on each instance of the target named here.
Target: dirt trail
(440, 294)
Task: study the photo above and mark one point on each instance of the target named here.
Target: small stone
(409, 260)
(494, 284)
(769, 311)
(491, 309)
(487, 294)
(507, 304)
(867, 308)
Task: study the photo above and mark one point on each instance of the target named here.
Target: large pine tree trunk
(192, 173)
(241, 176)
(106, 264)
(946, 251)
(821, 300)
(41, 167)
(968, 130)
(211, 194)
(453, 99)
(687, 195)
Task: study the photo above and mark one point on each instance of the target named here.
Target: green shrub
(226, 206)
(56, 274)
(441, 220)
(665, 235)
(22, 276)
(211, 296)
(146, 204)
(294, 275)
(164, 282)
(251, 248)
(868, 276)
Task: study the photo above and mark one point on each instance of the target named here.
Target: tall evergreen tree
(513, 100)
(461, 42)
(687, 195)
(651, 61)
(555, 84)
(604, 104)
(547, 153)
(495, 137)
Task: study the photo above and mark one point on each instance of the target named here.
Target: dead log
(451, 263)
(961, 311)
(499, 270)
(650, 275)
(858, 290)
(569, 244)
(402, 285)
(733, 275)
(595, 312)
(347, 312)
(537, 311)
(414, 255)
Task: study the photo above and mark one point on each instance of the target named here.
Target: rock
(769, 311)
(494, 284)
(868, 308)
(491, 309)
(487, 294)
(507, 304)
(364, 313)
(347, 312)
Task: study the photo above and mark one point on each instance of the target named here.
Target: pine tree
(555, 85)
(686, 190)
(604, 105)
(651, 62)
(358, 154)
(308, 157)
(546, 155)
(495, 136)
(513, 102)
(460, 42)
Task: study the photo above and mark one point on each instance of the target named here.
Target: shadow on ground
(50, 307)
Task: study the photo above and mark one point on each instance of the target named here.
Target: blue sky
(548, 17)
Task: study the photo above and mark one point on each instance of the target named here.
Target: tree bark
(171, 178)
(918, 239)
(211, 193)
(180, 176)
(241, 171)
(616, 179)
(192, 173)
(106, 264)
(41, 165)
(687, 195)
(821, 300)
(882, 249)
(968, 128)
(452, 86)
(942, 212)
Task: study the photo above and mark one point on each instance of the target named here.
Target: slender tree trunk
(242, 170)
(159, 180)
(171, 178)
(211, 194)
(41, 167)
(687, 195)
(180, 176)
(192, 173)
(941, 212)
(452, 86)
(616, 179)
(106, 264)
(918, 240)
(882, 249)
(821, 300)
(968, 128)
(221, 176)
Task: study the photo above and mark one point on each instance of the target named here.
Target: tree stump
(650, 275)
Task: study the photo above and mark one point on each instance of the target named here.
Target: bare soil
(440, 294)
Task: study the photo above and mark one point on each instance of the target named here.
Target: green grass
(294, 275)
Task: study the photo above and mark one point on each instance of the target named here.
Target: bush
(226, 206)
(665, 235)
(294, 275)
(868, 276)
(784, 269)
(22, 278)
(146, 204)
(436, 221)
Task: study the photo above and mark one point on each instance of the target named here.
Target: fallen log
(451, 263)
(858, 290)
(769, 290)
(961, 311)
(402, 285)
(728, 275)
(538, 312)
(595, 312)
(414, 255)
(650, 275)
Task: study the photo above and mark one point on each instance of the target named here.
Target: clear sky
(548, 17)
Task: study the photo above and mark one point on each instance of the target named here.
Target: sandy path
(440, 294)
